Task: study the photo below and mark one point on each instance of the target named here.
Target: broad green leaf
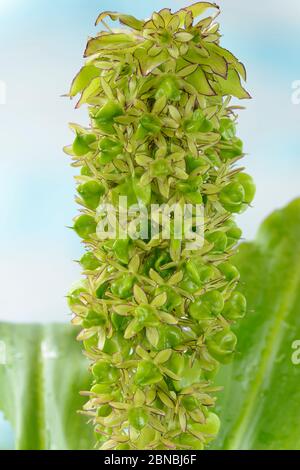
(83, 79)
(127, 20)
(229, 57)
(109, 42)
(259, 407)
(91, 90)
(232, 85)
(216, 62)
(42, 371)
(199, 81)
(149, 63)
(196, 9)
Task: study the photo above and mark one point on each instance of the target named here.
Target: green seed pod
(85, 225)
(89, 262)
(122, 287)
(232, 197)
(104, 373)
(109, 149)
(104, 118)
(94, 318)
(147, 374)
(222, 345)
(207, 305)
(248, 184)
(91, 193)
(138, 418)
(156, 312)
(219, 241)
(210, 428)
(81, 145)
(236, 307)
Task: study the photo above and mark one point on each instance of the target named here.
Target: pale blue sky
(41, 45)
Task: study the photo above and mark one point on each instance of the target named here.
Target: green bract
(156, 315)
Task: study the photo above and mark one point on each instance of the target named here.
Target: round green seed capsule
(100, 389)
(91, 193)
(222, 345)
(107, 113)
(91, 343)
(249, 187)
(117, 344)
(110, 149)
(85, 171)
(119, 322)
(89, 262)
(146, 315)
(121, 250)
(169, 336)
(190, 403)
(198, 272)
(104, 411)
(101, 290)
(193, 163)
(188, 440)
(146, 436)
(147, 374)
(232, 197)
(236, 306)
(94, 318)
(207, 306)
(194, 198)
(122, 287)
(85, 225)
(206, 126)
(81, 145)
(234, 231)
(73, 296)
(123, 447)
(173, 301)
(229, 271)
(138, 418)
(211, 426)
(104, 373)
(219, 240)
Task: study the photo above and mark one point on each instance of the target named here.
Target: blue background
(41, 45)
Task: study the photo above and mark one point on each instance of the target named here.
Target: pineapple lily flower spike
(156, 317)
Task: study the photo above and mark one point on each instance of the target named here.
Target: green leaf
(229, 57)
(42, 371)
(91, 90)
(216, 62)
(83, 79)
(232, 85)
(199, 81)
(196, 9)
(259, 407)
(109, 42)
(149, 63)
(127, 20)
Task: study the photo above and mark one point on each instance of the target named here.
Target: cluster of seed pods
(155, 315)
